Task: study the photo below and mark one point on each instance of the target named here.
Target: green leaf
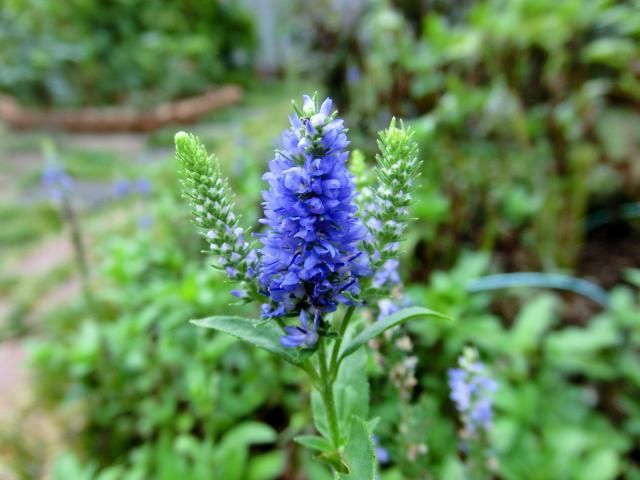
(266, 466)
(351, 389)
(68, 466)
(612, 51)
(319, 413)
(265, 335)
(314, 442)
(250, 433)
(359, 453)
(602, 464)
(386, 323)
(231, 462)
(233, 451)
(531, 324)
(582, 349)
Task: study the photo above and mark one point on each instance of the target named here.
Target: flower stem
(333, 366)
(326, 391)
(71, 219)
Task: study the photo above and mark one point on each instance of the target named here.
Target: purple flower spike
(311, 258)
(471, 391)
(301, 336)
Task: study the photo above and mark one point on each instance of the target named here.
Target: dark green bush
(123, 51)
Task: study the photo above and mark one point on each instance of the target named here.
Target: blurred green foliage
(567, 401)
(142, 392)
(526, 111)
(137, 52)
(142, 376)
(152, 396)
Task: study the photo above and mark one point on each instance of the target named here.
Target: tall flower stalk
(316, 263)
(59, 185)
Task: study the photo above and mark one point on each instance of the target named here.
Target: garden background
(527, 114)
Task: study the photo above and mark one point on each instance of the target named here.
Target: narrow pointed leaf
(264, 335)
(386, 323)
(319, 413)
(351, 390)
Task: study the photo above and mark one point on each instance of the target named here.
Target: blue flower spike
(471, 391)
(311, 257)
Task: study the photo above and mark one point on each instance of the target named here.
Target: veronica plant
(317, 259)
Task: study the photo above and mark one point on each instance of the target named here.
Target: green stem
(326, 391)
(281, 323)
(333, 366)
(71, 219)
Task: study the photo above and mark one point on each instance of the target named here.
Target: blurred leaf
(603, 465)
(633, 276)
(532, 322)
(233, 453)
(67, 466)
(266, 466)
(249, 433)
(578, 349)
(617, 52)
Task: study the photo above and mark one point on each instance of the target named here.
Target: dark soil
(607, 253)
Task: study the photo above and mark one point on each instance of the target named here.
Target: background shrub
(127, 51)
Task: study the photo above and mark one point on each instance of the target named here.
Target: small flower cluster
(211, 200)
(471, 391)
(310, 259)
(124, 187)
(57, 181)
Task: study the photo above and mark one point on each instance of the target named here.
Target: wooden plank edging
(118, 119)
